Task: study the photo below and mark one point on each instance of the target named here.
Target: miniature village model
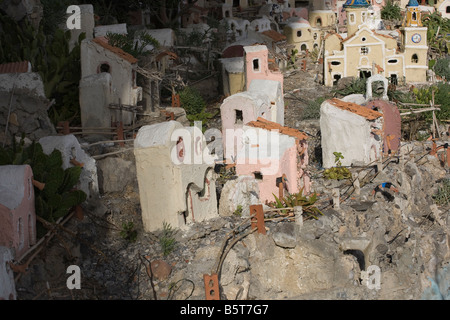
(264, 149)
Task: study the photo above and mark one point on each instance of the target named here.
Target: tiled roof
(270, 125)
(367, 113)
(102, 41)
(275, 36)
(15, 67)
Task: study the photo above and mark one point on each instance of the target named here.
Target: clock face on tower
(416, 38)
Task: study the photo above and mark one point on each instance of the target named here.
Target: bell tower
(415, 43)
(357, 14)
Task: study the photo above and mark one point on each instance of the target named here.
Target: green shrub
(442, 68)
(312, 110)
(391, 11)
(192, 101)
(167, 239)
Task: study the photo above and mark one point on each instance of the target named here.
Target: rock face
(22, 97)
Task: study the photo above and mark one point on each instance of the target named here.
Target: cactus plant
(59, 195)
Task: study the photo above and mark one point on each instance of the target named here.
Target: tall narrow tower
(356, 14)
(415, 42)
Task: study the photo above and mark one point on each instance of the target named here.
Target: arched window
(318, 22)
(303, 47)
(104, 67)
(414, 58)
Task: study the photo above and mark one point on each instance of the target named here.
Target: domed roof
(356, 4)
(412, 3)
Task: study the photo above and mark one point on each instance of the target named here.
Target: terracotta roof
(102, 41)
(333, 33)
(367, 113)
(275, 36)
(15, 67)
(270, 125)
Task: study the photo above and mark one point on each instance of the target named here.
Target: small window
(364, 51)
(363, 39)
(352, 18)
(394, 79)
(303, 47)
(255, 64)
(414, 16)
(336, 79)
(239, 119)
(315, 36)
(392, 61)
(363, 16)
(299, 33)
(104, 67)
(258, 175)
(335, 63)
(415, 58)
(318, 22)
(447, 9)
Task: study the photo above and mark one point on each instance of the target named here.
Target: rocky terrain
(404, 236)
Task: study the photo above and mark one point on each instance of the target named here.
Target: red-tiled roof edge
(102, 41)
(270, 125)
(356, 109)
(15, 67)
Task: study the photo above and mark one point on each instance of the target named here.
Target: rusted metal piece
(76, 163)
(120, 135)
(211, 286)
(257, 221)
(79, 214)
(176, 102)
(38, 184)
(65, 127)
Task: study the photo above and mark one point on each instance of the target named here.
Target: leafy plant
(58, 196)
(441, 97)
(128, 231)
(358, 85)
(442, 197)
(192, 101)
(391, 11)
(49, 56)
(132, 43)
(338, 172)
(298, 199)
(167, 239)
(442, 68)
(438, 30)
(238, 211)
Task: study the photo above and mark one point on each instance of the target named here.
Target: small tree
(391, 11)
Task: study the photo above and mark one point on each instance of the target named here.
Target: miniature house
(351, 129)
(17, 213)
(365, 52)
(98, 56)
(443, 6)
(175, 178)
(256, 65)
(272, 153)
(300, 33)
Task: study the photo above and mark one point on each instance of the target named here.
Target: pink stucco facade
(257, 65)
(17, 210)
(289, 160)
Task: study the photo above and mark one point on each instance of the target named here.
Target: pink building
(263, 98)
(272, 153)
(256, 65)
(17, 211)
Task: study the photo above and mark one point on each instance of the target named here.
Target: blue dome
(412, 3)
(357, 4)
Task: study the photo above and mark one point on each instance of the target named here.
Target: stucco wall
(348, 133)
